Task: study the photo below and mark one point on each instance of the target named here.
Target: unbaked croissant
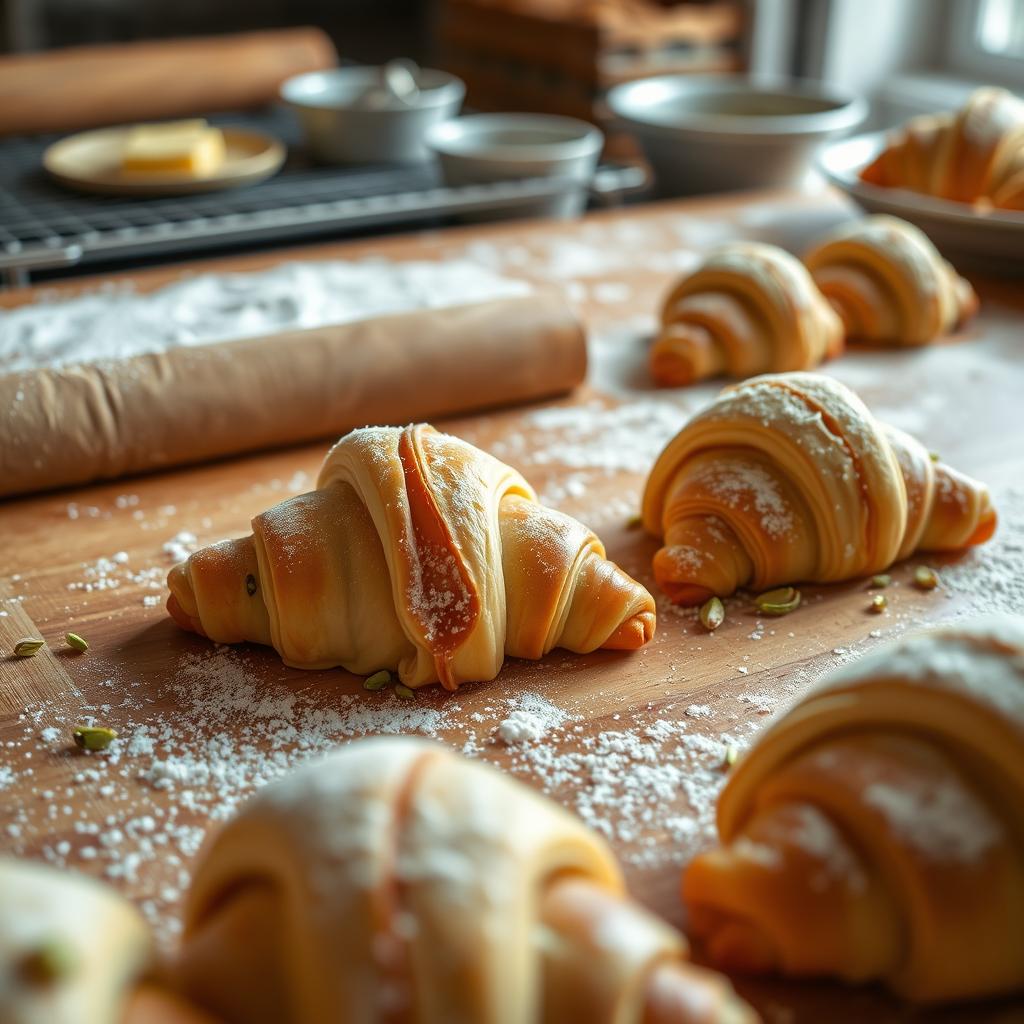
(397, 881)
(889, 284)
(749, 308)
(789, 477)
(974, 155)
(416, 552)
(74, 952)
(876, 831)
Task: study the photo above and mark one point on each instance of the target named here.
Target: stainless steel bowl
(496, 147)
(349, 118)
(718, 133)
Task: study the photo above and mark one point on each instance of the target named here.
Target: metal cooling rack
(44, 226)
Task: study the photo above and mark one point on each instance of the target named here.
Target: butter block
(190, 148)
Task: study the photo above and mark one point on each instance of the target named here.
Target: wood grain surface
(588, 456)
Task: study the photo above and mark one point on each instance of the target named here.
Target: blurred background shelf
(561, 56)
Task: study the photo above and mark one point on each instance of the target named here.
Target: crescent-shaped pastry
(71, 950)
(397, 881)
(876, 831)
(416, 552)
(975, 155)
(789, 477)
(749, 308)
(889, 284)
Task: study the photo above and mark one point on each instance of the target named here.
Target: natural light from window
(1001, 27)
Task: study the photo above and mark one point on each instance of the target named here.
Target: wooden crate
(561, 56)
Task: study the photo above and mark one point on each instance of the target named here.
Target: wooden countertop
(636, 742)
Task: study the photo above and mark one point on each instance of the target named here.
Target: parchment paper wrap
(75, 424)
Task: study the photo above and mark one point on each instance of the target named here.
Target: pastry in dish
(416, 552)
(889, 284)
(973, 155)
(749, 308)
(789, 477)
(873, 833)
(397, 881)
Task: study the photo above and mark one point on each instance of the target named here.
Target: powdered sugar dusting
(750, 487)
(940, 821)
(114, 323)
(530, 719)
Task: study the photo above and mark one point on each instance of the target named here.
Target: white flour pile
(191, 750)
(113, 323)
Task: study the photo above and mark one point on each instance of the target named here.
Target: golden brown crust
(971, 156)
(417, 553)
(396, 881)
(749, 308)
(788, 477)
(873, 832)
(889, 284)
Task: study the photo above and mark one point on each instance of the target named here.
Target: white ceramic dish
(718, 133)
(343, 128)
(483, 148)
(985, 240)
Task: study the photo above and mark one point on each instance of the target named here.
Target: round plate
(91, 162)
(986, 240)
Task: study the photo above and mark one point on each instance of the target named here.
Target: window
(987, 40)
(1000, 27)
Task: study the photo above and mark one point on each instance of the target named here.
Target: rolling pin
(95, 421)
(90, 86)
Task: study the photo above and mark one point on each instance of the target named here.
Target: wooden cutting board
(635, 743)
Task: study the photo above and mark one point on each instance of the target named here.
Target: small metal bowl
(483, 148)
(343, 127)
(718, 133)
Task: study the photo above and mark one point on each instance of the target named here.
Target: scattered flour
(530, 719)
(113, 323)
(180, 546)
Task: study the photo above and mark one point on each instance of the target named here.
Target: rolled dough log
(74, 424)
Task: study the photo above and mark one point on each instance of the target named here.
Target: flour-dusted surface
(116, 322)
(638, 745)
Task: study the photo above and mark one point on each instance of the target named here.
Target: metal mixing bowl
(717, 133)
(496, 147)
(348, 118)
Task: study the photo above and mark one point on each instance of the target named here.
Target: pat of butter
(190, 148)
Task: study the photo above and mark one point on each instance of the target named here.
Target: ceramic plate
(989, 241)
(91, 162)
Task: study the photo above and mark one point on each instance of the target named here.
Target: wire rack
(43, 226)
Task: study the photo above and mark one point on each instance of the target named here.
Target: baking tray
(44, 226)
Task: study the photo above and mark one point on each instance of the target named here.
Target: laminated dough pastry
(875, 832)
(70, 949)
(789, 477)
(416, 552)
(889, 284)
(973, 155)
(396, 881)
(749, 308)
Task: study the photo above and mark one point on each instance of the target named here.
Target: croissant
(889, 284)
(416, 552)
(975, 155)
(789, 477)
(395, 880)
(874, 833)
(74, 952)
(749, 308)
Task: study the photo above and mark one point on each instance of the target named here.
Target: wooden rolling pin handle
(89, 86)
